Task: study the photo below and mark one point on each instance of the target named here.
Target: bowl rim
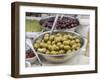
(54, 55)
(31, 58)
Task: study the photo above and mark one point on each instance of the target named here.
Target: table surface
(76, 60)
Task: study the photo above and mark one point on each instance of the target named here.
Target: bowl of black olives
(58, 46)
(69, 23)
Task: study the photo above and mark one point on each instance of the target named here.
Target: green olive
(51, 37)
(36, 45)
(74, 37)
(77, 48)
(74, 46)
(47, 52)
(38, 40)
(70, 37)
(56, 52)
(65, 36)
(72, 42)
(58, 34)
(66, 47)
(53, 42)
(53, 52)
(73, 50)
(61, 46)
(43, 44)
(50, 47)
(56, 48)
(42, 50)
(57, 39)
(42, 41)
(46, 35)
(54, 45)
(78, 44)
(59, 43)
(63, 39)
(77, 40)
(46, 38)
(66, 42)
(48, 42)
(69, 51)
(61, 52)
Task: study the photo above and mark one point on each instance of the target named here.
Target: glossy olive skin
(59, 43)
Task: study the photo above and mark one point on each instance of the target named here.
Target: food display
(62, 23)
(57, 43)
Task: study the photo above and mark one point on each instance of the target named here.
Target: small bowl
(30, 59)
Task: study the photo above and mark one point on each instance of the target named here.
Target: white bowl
(31, 60)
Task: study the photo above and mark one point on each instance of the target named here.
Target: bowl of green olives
(58, 46)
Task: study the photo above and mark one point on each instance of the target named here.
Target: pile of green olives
(58, 43)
